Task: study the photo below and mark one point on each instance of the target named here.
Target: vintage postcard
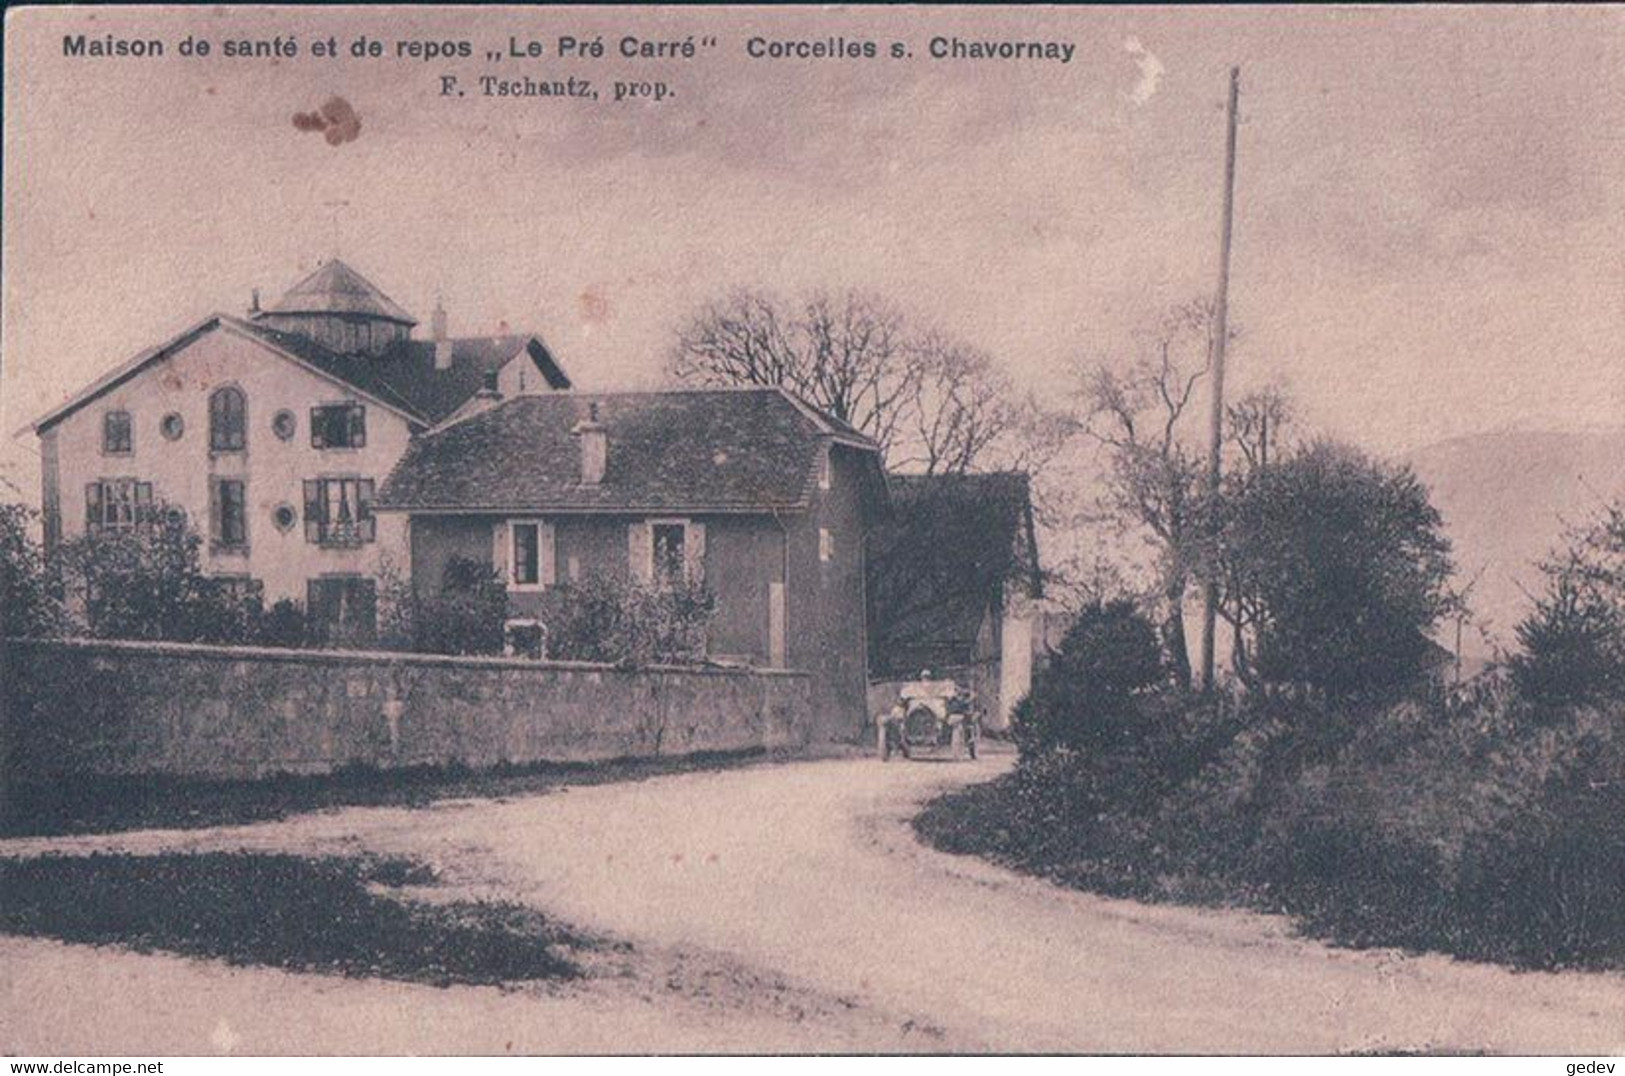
(812, 530)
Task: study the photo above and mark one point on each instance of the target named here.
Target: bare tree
(1256, 428)
(1258, 424)
(935, 405)
(1154, 477)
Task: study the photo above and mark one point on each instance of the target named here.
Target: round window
(172, 426)
(283, 425)
(284, 517)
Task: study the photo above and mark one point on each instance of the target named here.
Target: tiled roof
(335, 288)
(941, 561)
(718, 450)
(409, 367)
(405, 374)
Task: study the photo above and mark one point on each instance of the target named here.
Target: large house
(765, 499)
(954, 587)
(272, 431)
(275, 432)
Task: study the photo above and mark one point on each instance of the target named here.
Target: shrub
(1085, 696)
(148, 583)
(466, 616)
(1487, 828)
(1546, 886)
(282, 625)
(613, 619)
(29, 603)
(1574, 641)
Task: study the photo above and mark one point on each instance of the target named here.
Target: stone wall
(79, 707)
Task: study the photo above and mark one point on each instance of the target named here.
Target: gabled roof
(692, 450)
(403, 379)
(955, 547)
(335, 288)
(139, 362)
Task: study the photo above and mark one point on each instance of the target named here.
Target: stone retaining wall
(81, 707)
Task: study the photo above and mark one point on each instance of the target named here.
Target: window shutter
(640, 551)
(313, 509)
(500, 551)
(93, 508)
(363, 610)
(694, 552)
(217, 511)
(547, 568)
(368, 523)
(358, 426)
(142, 510)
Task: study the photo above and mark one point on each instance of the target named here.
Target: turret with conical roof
(341, 310)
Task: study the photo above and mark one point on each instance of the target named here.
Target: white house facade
(272, 440)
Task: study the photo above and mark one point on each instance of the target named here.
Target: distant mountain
(1505, 498)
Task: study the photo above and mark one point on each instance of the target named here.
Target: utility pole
(1221, 333)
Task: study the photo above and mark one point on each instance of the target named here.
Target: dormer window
(117, 439)
(228, 420)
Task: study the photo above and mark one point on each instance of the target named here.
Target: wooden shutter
(93, 508)
(694, 552)
(640, 551)
(500, 552)
(547, 572)
(366, 522)
(318, 428)
(141, 511)
(357, 432)
(314, 513)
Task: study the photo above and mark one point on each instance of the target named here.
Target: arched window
(228, 420)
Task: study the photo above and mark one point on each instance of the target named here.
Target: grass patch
(120, 804)
(331, 916)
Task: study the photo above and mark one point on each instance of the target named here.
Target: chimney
(594, 447)
(437, 329)
(254, 303)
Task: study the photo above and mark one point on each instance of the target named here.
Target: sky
(1429, 213)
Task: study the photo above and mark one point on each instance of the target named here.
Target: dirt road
(790, 908)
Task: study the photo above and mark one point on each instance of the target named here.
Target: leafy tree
(29, 604)
(1574, 641)
(1345, 564)
(148, 583)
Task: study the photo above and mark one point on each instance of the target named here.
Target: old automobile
(932, 717)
